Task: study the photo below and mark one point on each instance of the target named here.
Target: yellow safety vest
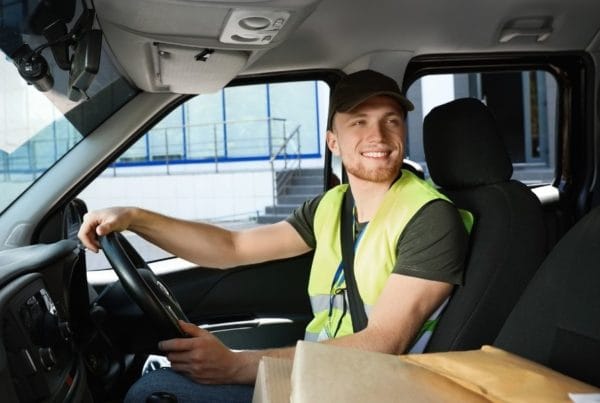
(375, 253)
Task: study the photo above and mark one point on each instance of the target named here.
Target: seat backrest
(467, 158)
(556, 322)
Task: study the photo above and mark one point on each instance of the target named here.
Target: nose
(377, 131)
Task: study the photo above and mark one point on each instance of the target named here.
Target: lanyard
(339, 277)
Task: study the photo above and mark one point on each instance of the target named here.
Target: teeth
(375, 154)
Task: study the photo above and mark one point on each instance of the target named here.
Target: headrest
(463, 147)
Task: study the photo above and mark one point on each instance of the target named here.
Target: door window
(242, 157)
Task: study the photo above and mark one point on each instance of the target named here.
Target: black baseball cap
(355, 88)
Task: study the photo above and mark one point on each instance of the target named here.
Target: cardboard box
(324, 373)
(273, 381)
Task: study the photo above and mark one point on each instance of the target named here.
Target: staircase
(304, 185)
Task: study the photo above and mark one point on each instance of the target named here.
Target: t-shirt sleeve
(434, 244)
(302, 220)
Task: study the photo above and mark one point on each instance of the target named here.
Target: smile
(375, 154)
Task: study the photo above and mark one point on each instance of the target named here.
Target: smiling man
(409, 243)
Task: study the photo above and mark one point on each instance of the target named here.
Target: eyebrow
(363, 114)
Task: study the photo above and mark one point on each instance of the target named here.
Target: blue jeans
(186, 390)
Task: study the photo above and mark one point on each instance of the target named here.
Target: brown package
(501, 376)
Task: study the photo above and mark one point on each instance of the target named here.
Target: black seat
(466, 157)
(557, 319)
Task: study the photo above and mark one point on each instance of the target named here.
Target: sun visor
(195, 70)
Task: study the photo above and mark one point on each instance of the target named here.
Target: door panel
(257, 306)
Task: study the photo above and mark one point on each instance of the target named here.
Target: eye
(394, 123)
(357, 123)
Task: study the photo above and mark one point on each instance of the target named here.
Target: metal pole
(31, 159)
(274, 179)
(299, 150)
(216, 148)
(285, 142)
(167, 153)
(269, 137)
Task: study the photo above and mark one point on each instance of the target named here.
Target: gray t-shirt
(432, 246)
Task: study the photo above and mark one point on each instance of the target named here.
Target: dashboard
(41, 308)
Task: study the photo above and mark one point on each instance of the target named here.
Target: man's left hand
(202, 357)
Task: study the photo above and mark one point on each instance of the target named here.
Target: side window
(242, 157)
(524, 103)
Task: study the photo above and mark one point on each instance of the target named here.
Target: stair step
(281, 209)
(307, 190)
(307, 180)
(302, 173)
(292, 199)
(303, 185)
(270, 218)
(311, 171)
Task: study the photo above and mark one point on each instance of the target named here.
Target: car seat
(467, 159)
(557, 319)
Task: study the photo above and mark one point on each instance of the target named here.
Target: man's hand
(102, 222)
(203, 358)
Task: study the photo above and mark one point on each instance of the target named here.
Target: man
(410, 245)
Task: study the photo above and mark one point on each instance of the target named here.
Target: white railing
(282, 155)
(223, 141)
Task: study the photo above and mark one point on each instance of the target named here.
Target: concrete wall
(237, 191)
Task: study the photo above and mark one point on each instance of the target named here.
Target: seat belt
(356, 305)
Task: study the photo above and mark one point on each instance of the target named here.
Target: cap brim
(351, 104)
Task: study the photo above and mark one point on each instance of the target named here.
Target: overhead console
(212, 42)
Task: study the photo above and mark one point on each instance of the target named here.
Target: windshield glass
(40, 123)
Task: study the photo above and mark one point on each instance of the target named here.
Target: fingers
(191, 329)
(202, 357)
(180, 359)
(87, 233)
(99, 223)
(184, 344)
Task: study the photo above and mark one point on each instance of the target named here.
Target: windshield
(40, 123)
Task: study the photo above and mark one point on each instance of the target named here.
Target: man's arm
(203, 244)
(404, 305)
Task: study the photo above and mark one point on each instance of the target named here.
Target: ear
(332, 143)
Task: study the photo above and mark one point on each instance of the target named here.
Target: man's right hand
(101, 222)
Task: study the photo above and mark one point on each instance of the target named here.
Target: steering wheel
(142, 285)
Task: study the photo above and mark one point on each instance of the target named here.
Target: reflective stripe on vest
(375, 255)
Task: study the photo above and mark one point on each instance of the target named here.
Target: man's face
(370, 139)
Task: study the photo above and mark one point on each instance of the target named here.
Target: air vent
(254, 27)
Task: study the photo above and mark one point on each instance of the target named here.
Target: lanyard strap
(357, 307)
(338, 277)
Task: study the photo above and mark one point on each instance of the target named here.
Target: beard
(377, 175)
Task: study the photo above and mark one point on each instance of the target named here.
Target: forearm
(371, 339)
(249, 360)
(368, 340)
(204, 244)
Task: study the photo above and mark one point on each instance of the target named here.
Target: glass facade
(242, 123)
